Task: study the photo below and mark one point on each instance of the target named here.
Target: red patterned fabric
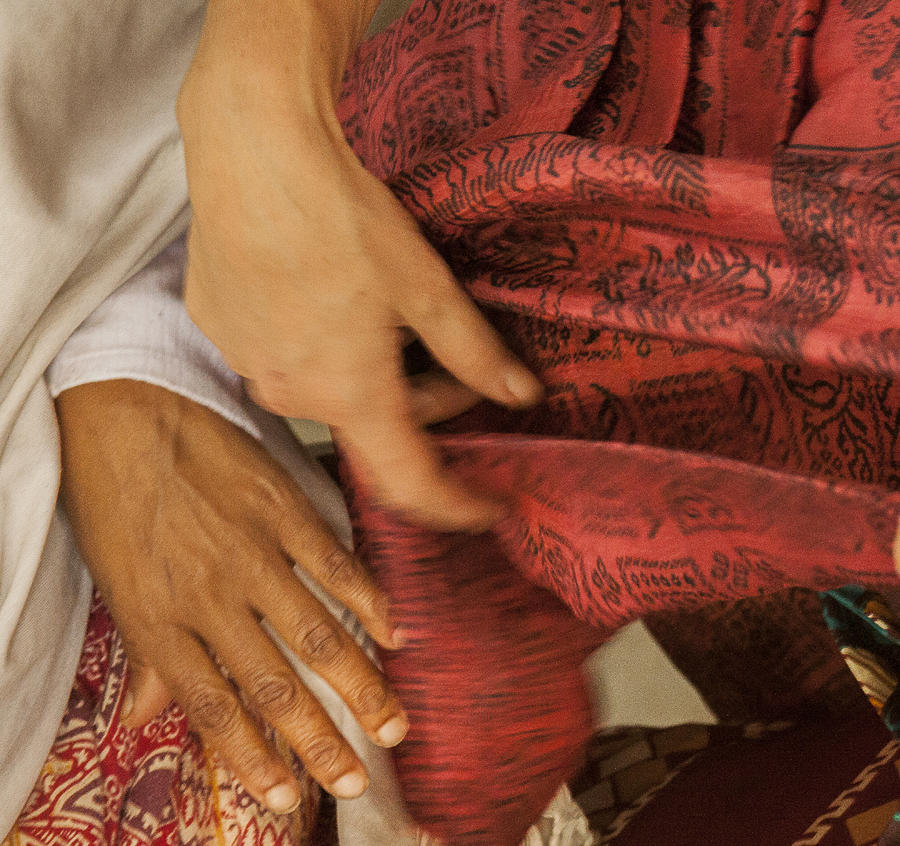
(685, 216)
(106, 785)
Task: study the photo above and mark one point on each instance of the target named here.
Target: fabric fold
(613, 531)
(692, 240)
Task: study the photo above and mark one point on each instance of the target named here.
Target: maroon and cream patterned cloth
(107, 785)
(685, 216)
(828, 782)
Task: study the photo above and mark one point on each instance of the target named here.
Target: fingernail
(392, 732)
(283, 798)
(127, 705)
(523, 385)
(398, 638)
(350, 785)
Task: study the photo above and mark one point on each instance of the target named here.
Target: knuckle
(430, 304)
(370, 698)
(212, 711)
(341, 570)
(254, 764)
(372, 606)
(132, 645)
(322, 752)
(308, 711)
(276, 694)
(202, 586)
(321, 644)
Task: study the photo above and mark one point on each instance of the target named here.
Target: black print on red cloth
(840, 212)
(695, 248)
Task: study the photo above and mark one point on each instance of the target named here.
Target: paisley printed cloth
(107, 785)
(685, 216)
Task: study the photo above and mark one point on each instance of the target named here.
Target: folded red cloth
(685, 216)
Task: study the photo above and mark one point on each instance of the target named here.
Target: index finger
(461, 339)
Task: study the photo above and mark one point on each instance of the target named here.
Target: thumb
(145, 696)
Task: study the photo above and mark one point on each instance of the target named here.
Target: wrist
(297, 49)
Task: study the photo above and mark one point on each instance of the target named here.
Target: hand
(306, 271)
(190, 530)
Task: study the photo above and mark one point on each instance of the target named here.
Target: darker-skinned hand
(191, 530)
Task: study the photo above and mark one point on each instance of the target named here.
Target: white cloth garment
(91, 187)
(142, 331)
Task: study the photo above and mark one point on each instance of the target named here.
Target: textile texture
(104, 784)
(92, 186)
(831, 782)
(684, 217)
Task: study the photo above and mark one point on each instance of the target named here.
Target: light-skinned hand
(304, 269)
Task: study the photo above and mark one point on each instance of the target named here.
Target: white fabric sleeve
(142, 332)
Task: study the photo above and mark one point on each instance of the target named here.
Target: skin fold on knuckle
(323, 754)
(320, 643)
(258, 769)
(341, 571)
(369, 698)
(374, 612)
(276, 694)
(213, 712)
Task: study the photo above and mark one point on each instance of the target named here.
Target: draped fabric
(825, 782)
(91, 188)
(685, 217)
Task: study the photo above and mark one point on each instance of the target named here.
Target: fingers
(146, 696)
(274, 688)
(459, 337)
(399, 462)
(397, 459)
(215, 713)
(317, 638)
(306, 538)
(438, 396)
